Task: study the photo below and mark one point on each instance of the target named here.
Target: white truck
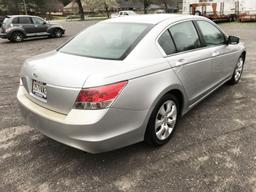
(221, 9)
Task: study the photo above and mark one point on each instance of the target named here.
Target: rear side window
(15, 20)
(185, 36)
(211, 34)
(165, 41)
(24, 20)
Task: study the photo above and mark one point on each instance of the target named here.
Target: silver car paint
(150, 73)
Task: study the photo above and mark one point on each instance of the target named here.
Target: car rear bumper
(93, 131)
(3, 35)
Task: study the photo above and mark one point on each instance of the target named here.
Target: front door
(223, 55)
(40, 25)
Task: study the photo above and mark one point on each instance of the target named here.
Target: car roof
(150, 18)
(12, 16)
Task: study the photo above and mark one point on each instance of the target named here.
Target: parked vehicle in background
(160, 11)
(209, 10)
(222, 10)
(127, 79)
(123, 13)
(247, 10)
(16, 28)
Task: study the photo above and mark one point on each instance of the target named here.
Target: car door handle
(181, 62)
(215, 53)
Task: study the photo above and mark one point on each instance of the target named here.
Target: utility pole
(25, 7)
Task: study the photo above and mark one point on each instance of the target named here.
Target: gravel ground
(212, 150)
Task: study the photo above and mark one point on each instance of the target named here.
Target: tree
(81, 9)
(165, 5)
(146, 5)
(102, 5)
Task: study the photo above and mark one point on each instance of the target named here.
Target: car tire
(198, 13)
(17, 37)
(57, 33)
(237, 71)
(159, 133)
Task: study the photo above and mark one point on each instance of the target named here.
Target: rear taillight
(98, 97)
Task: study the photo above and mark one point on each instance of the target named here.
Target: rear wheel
(238, 71)
(17, 37)
(57, 33)
(163, 121)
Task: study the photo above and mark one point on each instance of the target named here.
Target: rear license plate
(39, 89)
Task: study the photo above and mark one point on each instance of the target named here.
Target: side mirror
(233, 40)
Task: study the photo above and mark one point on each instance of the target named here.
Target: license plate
(39, 89)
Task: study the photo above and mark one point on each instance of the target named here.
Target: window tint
(15, 20)
(185, 36)
(165, 41)
(38, 21)
(24, 20)
(106, 40)
(211, 34)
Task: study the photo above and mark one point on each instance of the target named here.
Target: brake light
(98, 97)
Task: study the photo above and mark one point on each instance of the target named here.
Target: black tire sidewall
(55, 31)
(198, 13)
(233, 81)
(150, 135)
(14, 34)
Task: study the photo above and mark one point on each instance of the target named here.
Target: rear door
(40, 25)
(191, 62)
(26, 24)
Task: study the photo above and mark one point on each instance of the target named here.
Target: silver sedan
(127, 80)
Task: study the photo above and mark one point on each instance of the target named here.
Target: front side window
(38, 21)
(107, 40)
(165, 41)
(211, 34)
(185, 36)
(24, 20)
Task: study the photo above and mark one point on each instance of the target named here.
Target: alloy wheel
(165, 120)
(239, 69)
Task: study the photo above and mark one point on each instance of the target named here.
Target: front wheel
(237, 72)
(163, 121)
(57, 33)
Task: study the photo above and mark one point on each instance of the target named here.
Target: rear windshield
(106, 40)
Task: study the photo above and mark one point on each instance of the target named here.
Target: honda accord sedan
(127, 80)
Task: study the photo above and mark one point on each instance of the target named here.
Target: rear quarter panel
(144, 92)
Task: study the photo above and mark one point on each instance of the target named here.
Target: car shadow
(27, 40)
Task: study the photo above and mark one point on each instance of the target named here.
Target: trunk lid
(64, 75)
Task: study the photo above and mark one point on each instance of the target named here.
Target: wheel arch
(179, 96)
(51, 29)
(17, 30)
(243, 54)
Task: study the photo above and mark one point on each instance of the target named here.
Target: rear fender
(16, 29)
